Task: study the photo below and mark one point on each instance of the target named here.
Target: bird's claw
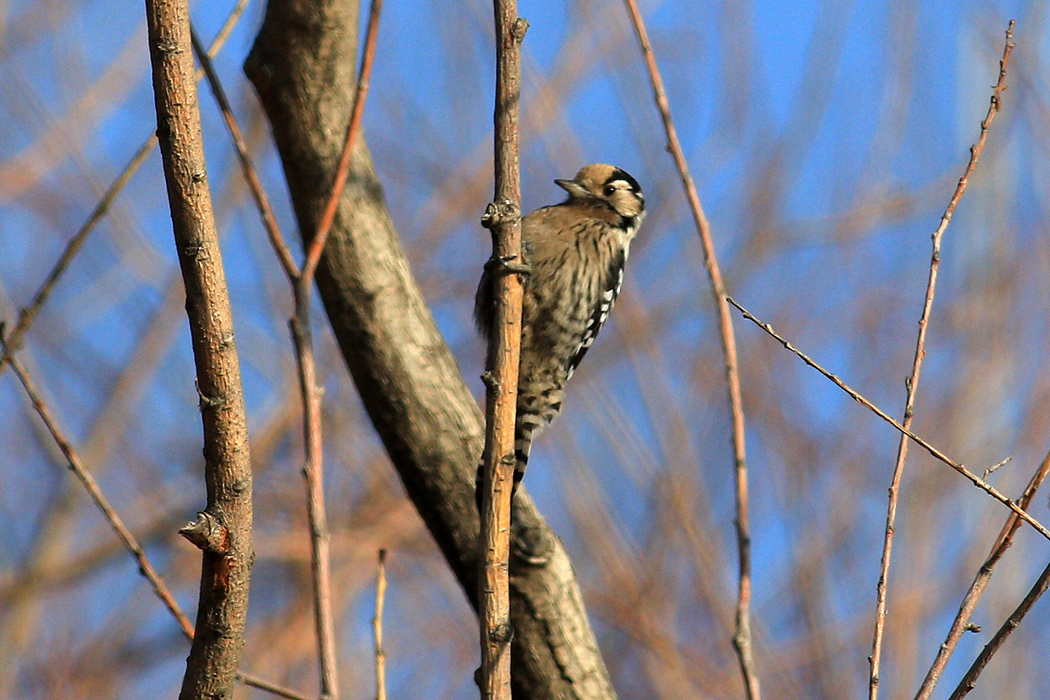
(503, 264)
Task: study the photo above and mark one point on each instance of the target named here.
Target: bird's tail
(527, 423)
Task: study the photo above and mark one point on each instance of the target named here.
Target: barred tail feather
(527, 423)
(526, 426)
(522, 447)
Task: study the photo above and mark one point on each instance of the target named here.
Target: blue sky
(825, 139)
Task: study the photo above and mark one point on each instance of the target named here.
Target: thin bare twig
(273, 688)
(377, 627)
(313, 255)
(226, 29)
(742, 642)
(912, 382)
(302, 337)
(284, 255)
(301, 281)
(130, 542)
(320, 560)
(100, 500)
(503, 218)
(980, 582)
(970, 679)
(995, 467)
(28, 313)
(937, 454)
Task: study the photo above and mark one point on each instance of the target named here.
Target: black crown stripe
(618, 174)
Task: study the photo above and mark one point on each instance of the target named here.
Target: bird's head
(610, 185)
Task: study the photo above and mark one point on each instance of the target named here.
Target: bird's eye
(609, 190)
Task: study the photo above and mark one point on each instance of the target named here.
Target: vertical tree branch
(313, 472)
(912, 382)
(212, 666)
(503, 218)
(742, 638)
(377, 627)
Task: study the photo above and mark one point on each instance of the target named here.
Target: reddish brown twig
(912, 382)
(320, 560)
(313, 254)
(970, 679)
(503, 218)
(980, 582)
(377, 627)
(937, 454)
(742, 638)
(284, 255)
(302, 337)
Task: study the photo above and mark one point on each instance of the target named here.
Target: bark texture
(302, 67)
(503, 218)
(224, 530)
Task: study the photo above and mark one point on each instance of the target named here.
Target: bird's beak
(572, 187)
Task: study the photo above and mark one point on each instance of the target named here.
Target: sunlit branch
(912, 382)
(742, 641)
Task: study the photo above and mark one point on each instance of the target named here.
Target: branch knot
(207, 534)
(518, 29)
(500, 212)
